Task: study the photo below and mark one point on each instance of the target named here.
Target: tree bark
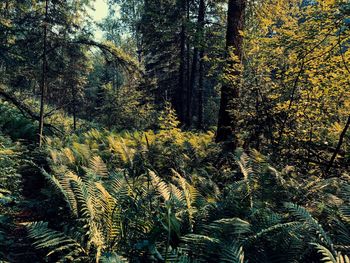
(181, 90)
(227, 121)
(191, 103)
(43, 87)
(201, 91)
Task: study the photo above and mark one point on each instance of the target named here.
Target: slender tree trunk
(74, 106)
(198, 53)
(180, 97)
(337, 149)
(201, 91)
(43, 87)
(192, 87)
(227, 123)
(187, 103)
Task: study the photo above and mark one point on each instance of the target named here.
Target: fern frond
(110, 217)
(98, 166)
(160, 186)
(283, 226)
(113, 258)
(232, 254)
(202, 248)
(191, 196)
(229, 226)
(327, 255)
(54, 241)
(88, 204)
(247, 171)
(177, 195)
(63, 186)
(303, 215)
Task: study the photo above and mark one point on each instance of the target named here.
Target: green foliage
(15, 124)
(10, 187)
(126, 199)
(9, 163)
(170, 194)
(125, 107)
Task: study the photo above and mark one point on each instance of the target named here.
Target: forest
(175, 131)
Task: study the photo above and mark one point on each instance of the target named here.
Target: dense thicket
(192, 131)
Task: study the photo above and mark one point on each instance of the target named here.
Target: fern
(303, 215)
(63, 187)
(243, 161)
(56, 242)
(328, 256)
(191, 196)
(229, 226)
(160, 186)
(232, 254)
(98, 167)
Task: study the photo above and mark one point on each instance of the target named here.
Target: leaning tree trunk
(43, 84)
(227, 123)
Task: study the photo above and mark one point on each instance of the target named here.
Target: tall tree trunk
(200, 124)
(198, 53)
(187, 102)
(43, 85)
(227, 123)
(180, 97)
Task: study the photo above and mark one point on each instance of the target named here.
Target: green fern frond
(110, 214)
(63, 186)
(243, 162)
(113, 258)
(82, 151)
(303, 215)
(191, 197)
(202, 248)
(55, 242)
(98, 166)
(160, 186)
(88, 205)
(232, 254)
(229, 226)
(327, 255)
(177, 195)
(290, 226)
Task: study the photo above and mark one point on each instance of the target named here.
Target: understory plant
(148, 197)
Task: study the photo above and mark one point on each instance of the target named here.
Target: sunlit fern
(329, 257)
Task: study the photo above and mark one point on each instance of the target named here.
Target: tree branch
(337, 149)
(24, 109)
